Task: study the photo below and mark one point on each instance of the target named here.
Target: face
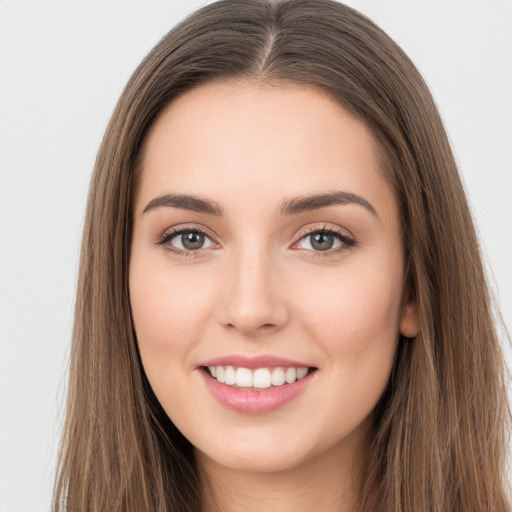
(266, 274)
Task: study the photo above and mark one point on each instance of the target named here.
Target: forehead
(252, 141)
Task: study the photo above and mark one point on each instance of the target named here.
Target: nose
(254, 301)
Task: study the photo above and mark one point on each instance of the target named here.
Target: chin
(256, 461)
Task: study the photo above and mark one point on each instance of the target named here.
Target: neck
(327, 482)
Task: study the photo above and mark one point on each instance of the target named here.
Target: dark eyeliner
(168, 236)
(347, 241)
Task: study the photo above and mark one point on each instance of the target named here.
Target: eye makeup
(318, 237)
(189, 241)
(191, 236)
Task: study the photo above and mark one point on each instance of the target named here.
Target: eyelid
(179, 228)
(170, 233)
(344, 236)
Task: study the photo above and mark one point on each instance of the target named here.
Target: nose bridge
(254, 302)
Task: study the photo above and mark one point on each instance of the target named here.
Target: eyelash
(346, 241)
(167, 237)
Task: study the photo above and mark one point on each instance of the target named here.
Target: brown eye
(186, 241)
(322, 241)
(192, 240)
(325, 240)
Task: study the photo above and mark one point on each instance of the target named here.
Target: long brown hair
(439, 431)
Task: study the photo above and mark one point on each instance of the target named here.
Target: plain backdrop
(63, 65)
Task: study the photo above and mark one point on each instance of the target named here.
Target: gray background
(63, 65)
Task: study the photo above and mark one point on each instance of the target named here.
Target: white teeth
(261, 378)
(278, 377)
(301, 373)
(230, 376)
(291, 375)
(244, 378)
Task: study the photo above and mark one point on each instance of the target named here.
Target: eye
(325, 240)
(186, 241)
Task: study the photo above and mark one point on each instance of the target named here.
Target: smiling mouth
(258, 379)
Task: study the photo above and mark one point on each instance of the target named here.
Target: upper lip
(254, 362)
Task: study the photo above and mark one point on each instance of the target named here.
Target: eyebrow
(292, 206)
(185, 202)
(317, 201)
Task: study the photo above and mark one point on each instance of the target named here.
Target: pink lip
(252, 401)
(254, 362)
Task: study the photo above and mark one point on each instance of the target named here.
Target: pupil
(192, 240)
(322, 241)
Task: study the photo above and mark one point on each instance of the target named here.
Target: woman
(281, 302)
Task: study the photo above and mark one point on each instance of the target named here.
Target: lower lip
(255, 402)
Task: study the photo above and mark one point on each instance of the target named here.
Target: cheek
(356, 325)
(170, 311)
(158, 310)
(356, 320)
(354, 300)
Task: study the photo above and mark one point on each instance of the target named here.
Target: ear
(409, 320)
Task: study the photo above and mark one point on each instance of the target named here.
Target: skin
(258, 286)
